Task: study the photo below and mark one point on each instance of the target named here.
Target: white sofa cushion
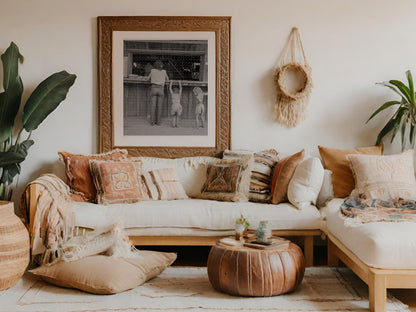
(385, 245)
(306, 183)
(195, 213)
(191, 170)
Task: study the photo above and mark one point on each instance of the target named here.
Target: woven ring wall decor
(305, 83)
(293, 79)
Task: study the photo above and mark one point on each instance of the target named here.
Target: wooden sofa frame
(378, 280)
(306, 236)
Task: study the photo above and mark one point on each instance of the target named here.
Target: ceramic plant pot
(14, 246)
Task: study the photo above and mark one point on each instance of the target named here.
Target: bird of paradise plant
(42, 101)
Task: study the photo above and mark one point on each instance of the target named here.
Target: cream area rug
(188, 289)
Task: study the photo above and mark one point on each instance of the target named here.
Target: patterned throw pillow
(222, 178)
(283, 173)
(336, 161)
(118, 181)
(77, 169)
(228, 179)
(261, 173)
(384, 177)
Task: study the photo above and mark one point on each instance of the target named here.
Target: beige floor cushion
(106, 275)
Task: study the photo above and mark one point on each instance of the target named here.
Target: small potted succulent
(241, 225)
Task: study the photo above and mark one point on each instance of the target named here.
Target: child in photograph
(176, 109)
(199, 108)
(158, 77)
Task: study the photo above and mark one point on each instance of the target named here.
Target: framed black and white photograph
(164, 85)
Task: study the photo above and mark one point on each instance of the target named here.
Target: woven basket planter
(14, 246)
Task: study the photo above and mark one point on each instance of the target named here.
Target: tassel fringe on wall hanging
(293, 82)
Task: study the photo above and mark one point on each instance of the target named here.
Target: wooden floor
(197, 256)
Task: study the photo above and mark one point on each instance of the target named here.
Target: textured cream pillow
(336, 161)
(384, 177)
(306, 183)
(168, 184)
(106, 275)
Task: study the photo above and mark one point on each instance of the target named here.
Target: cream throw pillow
(306, 183)
(327, 191)
(106, 275)
(384, 177)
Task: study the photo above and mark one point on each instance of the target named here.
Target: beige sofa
(382, 254)
(192, 221)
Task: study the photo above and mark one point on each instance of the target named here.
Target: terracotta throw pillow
(283, 172)
(228, 179)
(118, 181)
(77, 169)
(336, 161)
(384, 177)
(106, 275)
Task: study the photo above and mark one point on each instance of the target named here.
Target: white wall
(350, 45)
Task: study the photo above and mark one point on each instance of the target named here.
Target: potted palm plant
(404, 117)
(241, 225)
(15, 137)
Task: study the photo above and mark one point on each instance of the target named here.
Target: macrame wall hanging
(293, 82)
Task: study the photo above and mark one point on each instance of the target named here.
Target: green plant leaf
(386, 129)
(403, 89)
(397, 121)
(411, 87)
(45, 98)
(393, 88)
(16, 154)
(10, 60)
(412, 135)
(9, 106)
(13, 89)
(9, 172)
(403, 135)
(383, 107)
(10, 158)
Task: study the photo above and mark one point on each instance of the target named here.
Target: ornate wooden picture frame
(164, 85)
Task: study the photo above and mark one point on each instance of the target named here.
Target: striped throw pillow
(261, 172)
(164, 184)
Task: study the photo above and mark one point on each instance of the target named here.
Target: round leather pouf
(245, 271)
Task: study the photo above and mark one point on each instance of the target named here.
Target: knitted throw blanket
(51, 227)
(359, 210)
(52, 221)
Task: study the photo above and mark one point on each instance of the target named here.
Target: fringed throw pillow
(118, 181)
(77, 169)
(228, 179)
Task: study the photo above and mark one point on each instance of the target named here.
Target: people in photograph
(158, 77)
(176, 109)
(199, 108)
(138, 69)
